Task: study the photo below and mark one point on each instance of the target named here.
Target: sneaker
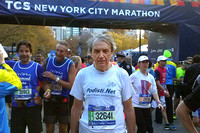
(166, 127)
(172, 127)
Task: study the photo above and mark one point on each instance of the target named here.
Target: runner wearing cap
(106, 91)
(145, 87)
(161, 75)
(171, 77)
(123, 64)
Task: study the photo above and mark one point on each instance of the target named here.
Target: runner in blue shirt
(26, 103)
(171, 76)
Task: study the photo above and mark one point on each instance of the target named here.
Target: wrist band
(48, 90)
(57, 79)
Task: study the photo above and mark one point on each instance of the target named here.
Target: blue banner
(167, 11)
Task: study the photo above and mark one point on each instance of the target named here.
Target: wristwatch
(57, 79)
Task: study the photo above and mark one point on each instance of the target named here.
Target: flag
(177, 2)
(195, 4)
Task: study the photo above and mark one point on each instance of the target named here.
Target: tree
(73, 44)
(125, 41)
(41, 37)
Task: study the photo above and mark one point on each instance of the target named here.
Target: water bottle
(37, 99)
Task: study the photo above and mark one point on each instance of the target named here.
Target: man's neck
(27, 62)
(143, 72)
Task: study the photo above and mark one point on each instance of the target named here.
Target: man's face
(61, 52)
(101, 54)
(143, 65)
(119, 59)
(24, 54)
(38, 58)
(162, 63)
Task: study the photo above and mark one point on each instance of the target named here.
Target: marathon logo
(151, 2)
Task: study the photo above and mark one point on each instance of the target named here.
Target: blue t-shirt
(29, 75)
(150, 70)
(61, 70)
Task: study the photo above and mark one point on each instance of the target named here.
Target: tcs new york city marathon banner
(172, 11)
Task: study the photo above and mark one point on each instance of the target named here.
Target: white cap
(161, 57)
(142, 58)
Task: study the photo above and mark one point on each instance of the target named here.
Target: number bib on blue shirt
(101, 117)
(144, 98)
(23, 94)
(56, 89)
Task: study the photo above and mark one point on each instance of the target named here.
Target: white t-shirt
(97, 88)
(144, 85)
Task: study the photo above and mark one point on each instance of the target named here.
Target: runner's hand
(48, 74)
(160, 107)
(167, 93)
(47, 94)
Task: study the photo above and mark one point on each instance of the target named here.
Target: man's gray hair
(102, 37)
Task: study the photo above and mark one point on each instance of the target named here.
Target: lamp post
(13, 44)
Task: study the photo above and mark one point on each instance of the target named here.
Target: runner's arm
(75, 115)
(65, 84)
(71, 77)
(159, 85)
(130, 115)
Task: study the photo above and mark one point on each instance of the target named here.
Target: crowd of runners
(99, 96)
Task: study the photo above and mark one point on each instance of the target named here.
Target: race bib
(101, 117)
(144, 98)
(56, 89)
(23, 94)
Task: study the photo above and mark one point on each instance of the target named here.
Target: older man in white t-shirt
(106, 91)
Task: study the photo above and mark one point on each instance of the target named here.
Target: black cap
(120, 55)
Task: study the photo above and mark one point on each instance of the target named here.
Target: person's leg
(71, 101)
(50, 127)
(17, 120)
(140, 121)
(176, 100)
(63, 112)
(63, 128)
(158, 116)
(33, 119)
(169, 109)
(164, 114)
(148, 120)
(50, 116)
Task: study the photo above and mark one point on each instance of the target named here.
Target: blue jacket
(171, 72)
(9, 82)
